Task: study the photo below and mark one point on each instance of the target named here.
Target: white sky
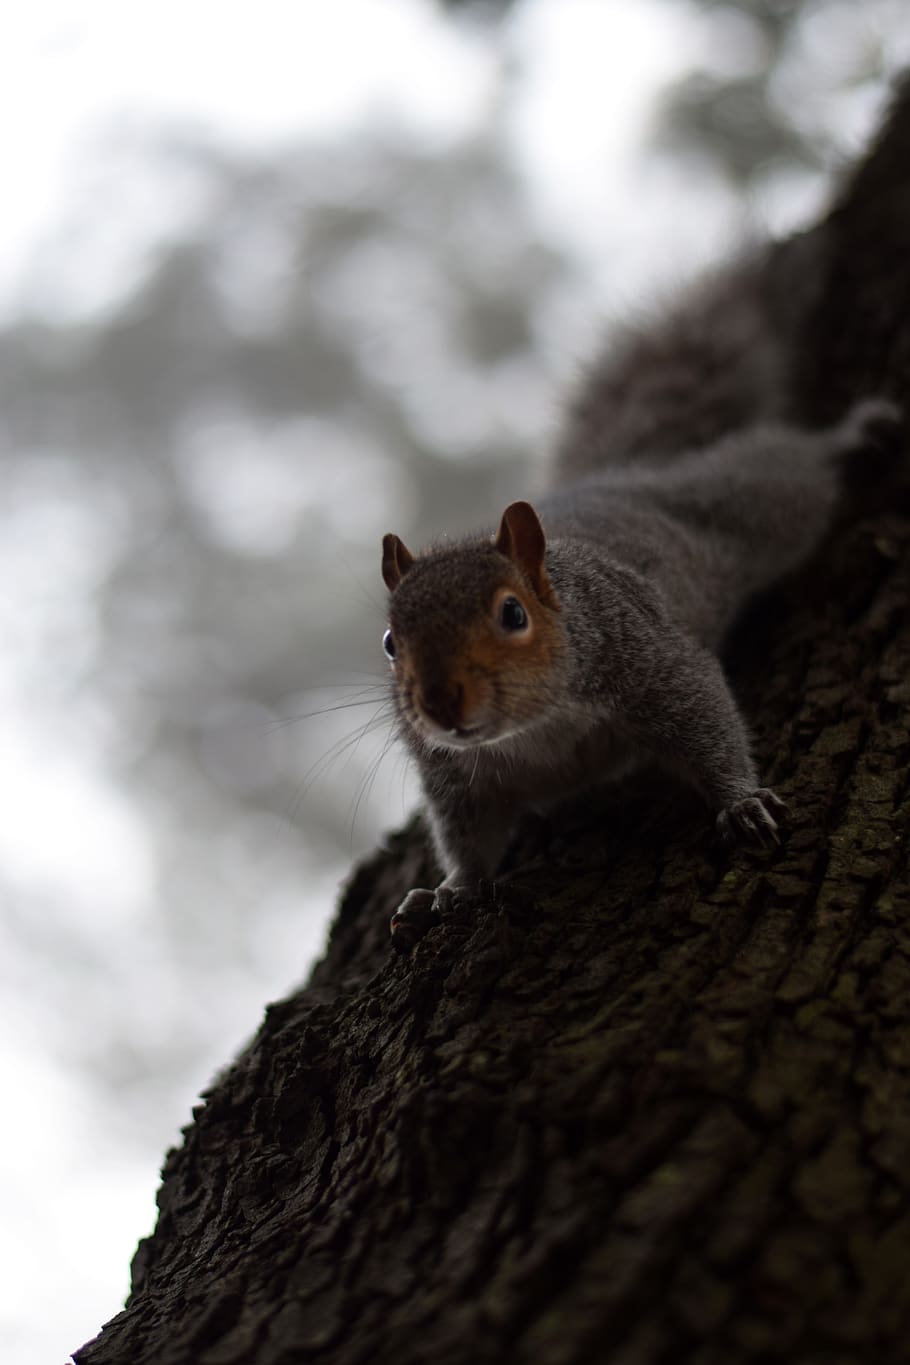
(78, 86)
(250, 75)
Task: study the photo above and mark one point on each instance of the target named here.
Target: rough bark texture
(644, 1101)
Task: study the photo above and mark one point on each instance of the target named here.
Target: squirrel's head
(474, 637)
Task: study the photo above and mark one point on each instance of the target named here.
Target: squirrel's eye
(388, 644)
(512, 615)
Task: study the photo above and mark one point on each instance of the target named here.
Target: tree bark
(644, 1101)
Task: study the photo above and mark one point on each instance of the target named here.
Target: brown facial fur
(451, 648)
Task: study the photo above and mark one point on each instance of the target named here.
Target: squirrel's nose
(442, 702)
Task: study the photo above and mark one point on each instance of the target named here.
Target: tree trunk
(644, 1101)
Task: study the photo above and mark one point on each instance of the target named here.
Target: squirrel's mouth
(458, 736)
(465, 737)
(465, 731)
(454, 736)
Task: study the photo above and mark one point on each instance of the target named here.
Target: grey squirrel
(583, 637)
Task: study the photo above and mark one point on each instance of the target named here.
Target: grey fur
(652, 561)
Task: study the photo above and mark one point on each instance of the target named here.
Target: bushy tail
(855, 341)
(795, 332)
(713, 364)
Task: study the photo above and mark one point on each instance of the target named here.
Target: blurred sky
(274, 279)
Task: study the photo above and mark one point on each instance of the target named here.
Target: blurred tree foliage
(345, 338)
(766, 101)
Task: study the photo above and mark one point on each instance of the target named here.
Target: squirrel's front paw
(752, 818)
(415, 916)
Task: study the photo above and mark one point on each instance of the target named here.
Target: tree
(643, 1101)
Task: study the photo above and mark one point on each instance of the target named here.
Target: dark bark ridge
(644, 1101)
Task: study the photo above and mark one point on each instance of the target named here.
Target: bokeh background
(276, 278)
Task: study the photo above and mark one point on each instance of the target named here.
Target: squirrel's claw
(875, 423)
(414, 918)
(751, 818)
(871, 438)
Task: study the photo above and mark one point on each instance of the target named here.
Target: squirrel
(584, 636)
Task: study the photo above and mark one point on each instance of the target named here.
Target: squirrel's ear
(396, 560)
(521, 537)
